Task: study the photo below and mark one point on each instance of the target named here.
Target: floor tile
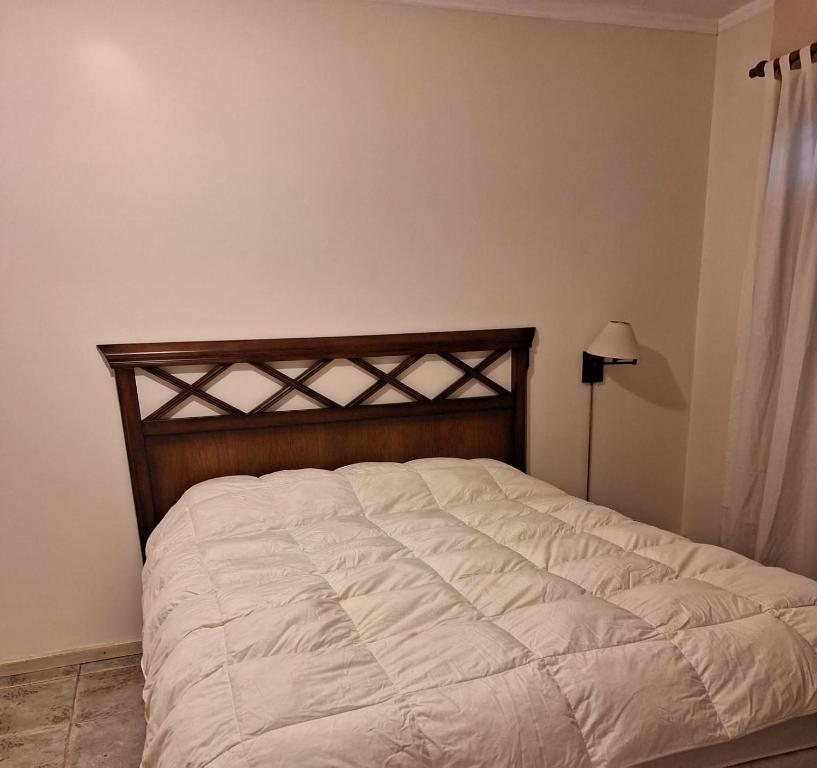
(107, 742)
(36, 749)
(38, 677)
(36, 705)
(108, 664)
(115, 692)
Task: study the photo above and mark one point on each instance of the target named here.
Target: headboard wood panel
(168, 455)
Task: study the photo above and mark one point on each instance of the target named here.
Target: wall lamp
(615, 345)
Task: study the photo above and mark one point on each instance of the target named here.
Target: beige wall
(194, 170)
(733, 167)
(795, 25)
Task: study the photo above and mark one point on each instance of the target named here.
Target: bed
(383, 585)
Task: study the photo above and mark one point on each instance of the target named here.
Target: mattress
(792, 743)
(456, 614)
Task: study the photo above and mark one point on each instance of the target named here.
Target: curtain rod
(794, 61)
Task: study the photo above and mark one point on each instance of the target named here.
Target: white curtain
(771, 493)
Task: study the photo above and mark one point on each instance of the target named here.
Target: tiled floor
(86, 716)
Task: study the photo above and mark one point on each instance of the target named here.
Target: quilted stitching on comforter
(453, 613)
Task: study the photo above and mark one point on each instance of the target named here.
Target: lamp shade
(616, 340)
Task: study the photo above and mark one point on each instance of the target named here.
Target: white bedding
(453, 613)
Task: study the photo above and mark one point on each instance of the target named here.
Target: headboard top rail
(330, 347)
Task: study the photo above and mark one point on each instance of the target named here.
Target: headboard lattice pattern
(299, 384)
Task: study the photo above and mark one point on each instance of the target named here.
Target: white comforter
(453, 613)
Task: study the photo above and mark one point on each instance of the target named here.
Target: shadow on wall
(652, 380)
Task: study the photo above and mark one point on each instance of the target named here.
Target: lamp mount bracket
(593, 367)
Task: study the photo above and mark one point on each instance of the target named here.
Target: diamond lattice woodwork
(300, 384)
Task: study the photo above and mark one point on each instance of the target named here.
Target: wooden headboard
(168, 455)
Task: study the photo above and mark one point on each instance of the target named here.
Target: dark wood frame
(166, 456)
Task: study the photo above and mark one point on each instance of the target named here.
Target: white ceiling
(706, 9)
(687, 15)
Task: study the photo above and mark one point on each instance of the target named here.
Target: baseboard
(69, 657)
